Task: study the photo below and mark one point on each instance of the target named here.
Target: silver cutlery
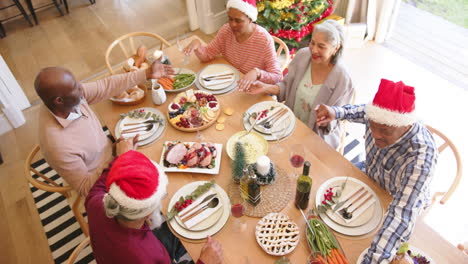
(275, 115)
(217, 78)
(344, 211)
(207, 78)
(206, 199)
(145, 122)
(251, 127)
(349, 214)
(138, 129)
(212, 204)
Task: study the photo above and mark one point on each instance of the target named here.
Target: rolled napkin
(216, 74)
(216, 82)
(202, 216)
(361, 208)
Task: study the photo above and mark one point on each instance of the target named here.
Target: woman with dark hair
(316, 75)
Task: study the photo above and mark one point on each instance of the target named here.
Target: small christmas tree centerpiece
(239, 163)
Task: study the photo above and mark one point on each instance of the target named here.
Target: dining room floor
(439, 103)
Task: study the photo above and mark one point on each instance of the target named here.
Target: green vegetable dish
(183, 80)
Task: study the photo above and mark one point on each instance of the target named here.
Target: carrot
(167, 85)
(171, 80)
(321, 259)
(331, 259)
(341, 256)
(334, 252)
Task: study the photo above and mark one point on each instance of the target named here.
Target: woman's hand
(256, 87)
(247, 80)
(325, 114)
(158, 70)
(211, 253)
(194, 45)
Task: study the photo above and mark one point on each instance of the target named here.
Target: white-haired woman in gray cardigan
(315, 76)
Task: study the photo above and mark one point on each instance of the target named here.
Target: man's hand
(158, 70)
(211, 253)
(124, 145)
(325, 114)
(194, 45)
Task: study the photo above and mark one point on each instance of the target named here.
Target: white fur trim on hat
(244, 7)
(386, 117)
(150, 202)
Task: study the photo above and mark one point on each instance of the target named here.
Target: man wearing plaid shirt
(400, 156)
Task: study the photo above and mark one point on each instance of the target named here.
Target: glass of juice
(237, 211)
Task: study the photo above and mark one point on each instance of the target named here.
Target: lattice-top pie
(276, 234)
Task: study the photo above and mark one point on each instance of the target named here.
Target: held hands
(124, 145)
(246, 81)
(325, 114)
(194, 45)
(158, 70)
(211, 253)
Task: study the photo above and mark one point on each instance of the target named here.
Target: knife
(184, 213)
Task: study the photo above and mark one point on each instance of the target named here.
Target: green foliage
(454, 11)
(239, 162)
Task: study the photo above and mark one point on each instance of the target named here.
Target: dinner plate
(254, 145)
(216, 69)
(215, 170)
(224, 90)
(183, 70)
(289, 124)
(202, 234)
(147, 137)
(413, 249)
(208, 222)
(377, 213)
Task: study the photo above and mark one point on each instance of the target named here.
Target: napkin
(216, 82)
(197, 205)
(362, 208)
(216, 74)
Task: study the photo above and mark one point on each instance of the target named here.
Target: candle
(263, 165)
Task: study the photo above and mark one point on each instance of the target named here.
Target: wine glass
(196, 122)
(180, 47)
(296, 158)
(237, 211)
(278, 131)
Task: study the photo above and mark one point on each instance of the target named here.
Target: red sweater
(113, 243)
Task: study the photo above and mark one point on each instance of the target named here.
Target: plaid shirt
(405, 170)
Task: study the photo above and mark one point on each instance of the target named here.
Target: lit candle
(263, 165)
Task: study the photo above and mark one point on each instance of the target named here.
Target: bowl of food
(132, 96)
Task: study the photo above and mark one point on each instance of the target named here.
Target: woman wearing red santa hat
(400, 156)
(118, 205)
(244, 44)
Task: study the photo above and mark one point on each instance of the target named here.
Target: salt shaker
(157, 93)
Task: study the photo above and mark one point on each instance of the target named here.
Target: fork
(208, 78)
(145, 122)
(138, 129)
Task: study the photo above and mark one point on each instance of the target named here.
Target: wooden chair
(343, 127)
(45, 183)
(284, 59)
(77, 250)
(18, 4)
(130, 49)
(446, 142)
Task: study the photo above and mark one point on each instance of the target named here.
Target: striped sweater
(256, 52)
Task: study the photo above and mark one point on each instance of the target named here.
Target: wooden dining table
(241, 247)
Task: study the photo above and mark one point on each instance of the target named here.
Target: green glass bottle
(304, 184)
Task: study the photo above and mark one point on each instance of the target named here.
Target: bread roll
(144, 66)
(122, 96)
(136, 95)
(133, 89)
(141, 56)
(129, 64)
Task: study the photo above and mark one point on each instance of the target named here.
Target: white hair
(335, 36)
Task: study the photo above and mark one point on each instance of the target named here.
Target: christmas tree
(292, 20)
(239, 163)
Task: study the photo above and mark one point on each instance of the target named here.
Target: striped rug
(62, 230)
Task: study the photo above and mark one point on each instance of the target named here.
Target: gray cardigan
(337, 90)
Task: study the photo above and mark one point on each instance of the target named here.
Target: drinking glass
(278, 131)
(196, 121)
(237, 211)
(180, 47)
(296, 158)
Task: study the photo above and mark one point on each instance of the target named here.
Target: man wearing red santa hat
(400, 156)
(118, 205)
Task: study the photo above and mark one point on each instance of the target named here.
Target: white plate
(225, 90)
(226, 209)
(350, 231)
(148, 138)
(207, 223)
(215, 69)
(215, 170)
(414, 250)
(183, 70)
(252, 153)
(266, 105)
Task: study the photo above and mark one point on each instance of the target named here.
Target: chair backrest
(446, 142)
(128, 46)
(77, 250)
(343, 127)
(47, 184)
(283, 53)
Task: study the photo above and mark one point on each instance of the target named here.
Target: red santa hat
(393, 104)
(248, 7)
(135, 182)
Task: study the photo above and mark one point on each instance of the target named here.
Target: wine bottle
(304, 184)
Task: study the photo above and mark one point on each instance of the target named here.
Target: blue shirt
(405, 170)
